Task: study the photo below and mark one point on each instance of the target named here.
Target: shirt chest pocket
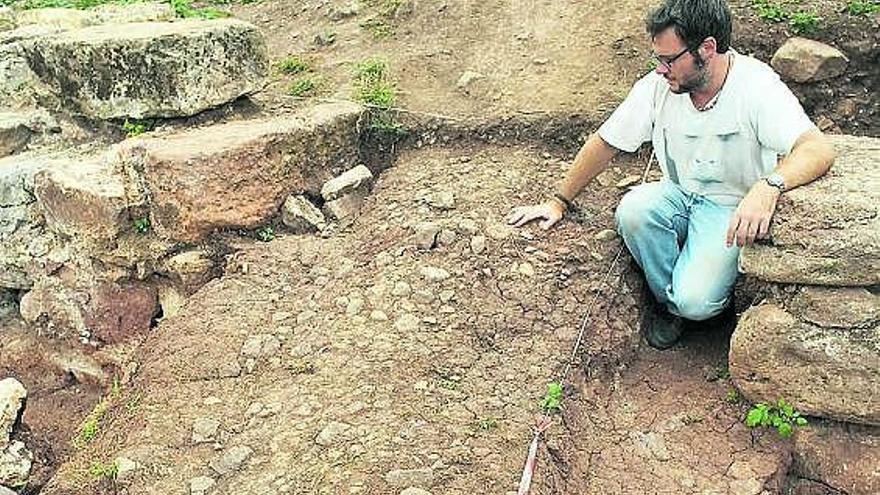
(705, 152)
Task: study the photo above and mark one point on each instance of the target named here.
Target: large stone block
(85, 199)
(844, 457)
(238, 174)
(12, 399)
(150, 69)
(804, 60)
(828, 232)
(22, 238)
(815, 355)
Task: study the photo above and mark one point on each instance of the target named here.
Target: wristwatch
(775, 179)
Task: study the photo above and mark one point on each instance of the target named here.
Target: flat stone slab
(238, 174)
(827, 232)
(822, 367)
(150, 69)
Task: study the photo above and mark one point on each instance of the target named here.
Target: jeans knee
(696, 307)
(630, 214)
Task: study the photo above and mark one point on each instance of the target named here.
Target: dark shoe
(663, 329)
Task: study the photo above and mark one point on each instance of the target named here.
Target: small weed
(302, 86)
(732, 396)
(386, 8)
(861, 7)
(292, 65)
(552, 401)
(141, 225)
(102, 470)
(378, 27)
(690, 419)
(89, 428)
(134, 128)
(183, 8)
(781, 416)
(804, 22)
(266, 233)
(487, 423)
(769, 10)
(374, 88)
(448, 383)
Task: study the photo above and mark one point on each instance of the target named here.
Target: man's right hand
(549, 212)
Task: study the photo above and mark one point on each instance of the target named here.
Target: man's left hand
(751, 220)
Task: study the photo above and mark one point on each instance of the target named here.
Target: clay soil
(451, 380)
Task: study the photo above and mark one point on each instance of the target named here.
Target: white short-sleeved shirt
(721, 152)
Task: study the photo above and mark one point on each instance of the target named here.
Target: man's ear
(709, 47)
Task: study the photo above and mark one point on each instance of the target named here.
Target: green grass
(183, 8)
(373, 85)
(91, 425)
(141, 225)
(101, 470)
(862, 7)
(781, 416)
(770, 10)
(378, 27)
(804, 22)
(292, 65)
(135, 127)
(302, 86)
(488, 423)
(386, 8)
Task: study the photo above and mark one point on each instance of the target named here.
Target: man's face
(685, 73)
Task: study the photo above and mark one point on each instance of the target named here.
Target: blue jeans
(678, 238)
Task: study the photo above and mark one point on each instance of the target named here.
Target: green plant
(386, 8)
(302, 86)
(103, 470)
(292, 65)
(860, 7)
(769, 10)
(732, 396)
(378, 27)
(134, 128)
(372, 84)
(487, 423)
(133, 403)
(781, 416)
(266, 233)
(552, 400)
(90, 426)
(804, 22)
(183, 8)
(141, 225)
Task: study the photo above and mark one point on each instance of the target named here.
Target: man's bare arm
(810, 158)
(592, 158)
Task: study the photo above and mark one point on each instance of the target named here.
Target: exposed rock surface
(15, 464)
(301, 216)
(828, 371)
(12, 397)
(244, 176)
(149, 69)
(844, 457)
(804, 60)
(827, 232)
(14, 132)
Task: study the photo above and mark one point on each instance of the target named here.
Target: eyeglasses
(668, 61)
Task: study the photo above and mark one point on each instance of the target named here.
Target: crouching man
(718, 122)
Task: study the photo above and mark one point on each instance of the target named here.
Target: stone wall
(815, 341)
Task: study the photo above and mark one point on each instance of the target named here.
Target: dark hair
(693, 21)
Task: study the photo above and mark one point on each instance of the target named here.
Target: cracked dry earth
(359, 363)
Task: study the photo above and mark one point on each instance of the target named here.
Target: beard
(697, 79)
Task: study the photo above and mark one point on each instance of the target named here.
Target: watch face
(775, 180)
